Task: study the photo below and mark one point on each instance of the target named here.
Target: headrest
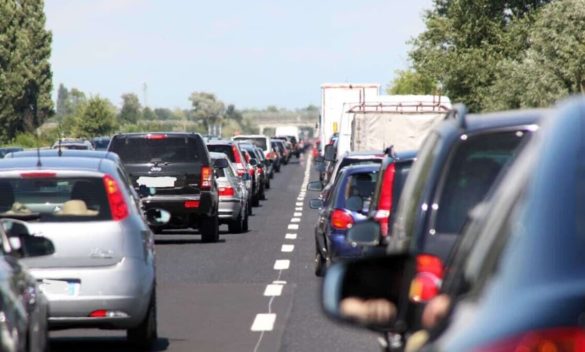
(76, 207)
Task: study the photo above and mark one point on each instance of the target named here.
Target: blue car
(346, 204)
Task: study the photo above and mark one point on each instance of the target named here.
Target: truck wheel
(145, 334)
(209, 228)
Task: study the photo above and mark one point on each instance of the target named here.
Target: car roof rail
(458, 112)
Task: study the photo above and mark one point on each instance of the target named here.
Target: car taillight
(118, 206)
(206, 178)
(237, 157)
(341, 220)
(385, 200)
(427, 281)
(156, 136)
(554, 340)
(226, 191)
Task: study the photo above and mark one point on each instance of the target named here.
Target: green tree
(131, 109)
(97, 119)
(63, 102)
(207, 108)
(411, 82)
(148, 114)
(233, 114)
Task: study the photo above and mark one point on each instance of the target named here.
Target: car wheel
(209, 228)
(245, 222)
(236, 226)
(146, 333)
(256, 200)
(268, 184)
(250, 212)
(320, 264)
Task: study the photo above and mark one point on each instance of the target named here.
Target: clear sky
(251, 53)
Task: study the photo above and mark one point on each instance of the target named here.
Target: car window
(358, 188)
(169, 149)
(222, 148)
(56, 199)
(471, 171)
(400, 176)
(412, 192)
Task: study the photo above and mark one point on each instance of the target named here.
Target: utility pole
(145, 94)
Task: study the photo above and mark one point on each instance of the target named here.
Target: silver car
(233, 194)
(102, 274)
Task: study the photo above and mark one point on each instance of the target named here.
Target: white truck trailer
(399, 120)
(333, 97)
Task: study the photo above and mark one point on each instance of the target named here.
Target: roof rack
(459, 112)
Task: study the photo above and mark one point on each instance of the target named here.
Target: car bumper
(176, 204)
(127, 292)
(229, 208)
(340, 248)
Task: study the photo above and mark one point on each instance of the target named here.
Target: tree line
(495, 55)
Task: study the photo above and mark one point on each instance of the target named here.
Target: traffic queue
(77, 225)
(474, 244)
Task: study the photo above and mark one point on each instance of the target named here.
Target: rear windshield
(259, 142)
(221, 148)
(56, 199)
(359, 188)
(169, 149)
(402, 170)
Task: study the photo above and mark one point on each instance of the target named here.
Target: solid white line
(297, 214)
(264, 322)
(281, 264)
(273, 290)
(293, 226)
(291, 236)
(287, 248)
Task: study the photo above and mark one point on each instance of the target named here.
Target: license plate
(63, 288)
(157, 182)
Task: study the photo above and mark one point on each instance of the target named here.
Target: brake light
(385, 202)
(341, 220)
(206, 178)
(38, 174)
(227, 191)
(237, 157)
(554, 340)
(190, 204)
(427, 281)
(100, 313)
(156, 136)
(118, 206)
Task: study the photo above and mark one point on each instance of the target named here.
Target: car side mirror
(371, 292)
(315, 186)
(316, 204)
(246, 177)
(220, 163)
(365, 233)
(330, 152)
(144, 191)
(253, 162)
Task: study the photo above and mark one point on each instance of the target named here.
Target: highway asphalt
(249, 292)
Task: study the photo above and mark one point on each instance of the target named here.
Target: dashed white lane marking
(287, 248)
(299, 208)
(295, 220)
(299, 204)
(273, 290)
(297, 214)
(279, 282)
(291, 236)
(281, 264)
(264, 322)
(293, 227)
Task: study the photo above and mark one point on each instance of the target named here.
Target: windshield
(55, 199)
(143, 150)
(260, 142)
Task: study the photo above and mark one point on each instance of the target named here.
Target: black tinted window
(471, 173)
(402, 171)
(170, 149)
(226, 149)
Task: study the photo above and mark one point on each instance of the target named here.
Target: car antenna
(39, 164)
(60, 152)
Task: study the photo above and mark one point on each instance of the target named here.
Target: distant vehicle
(347, 203)
(260, 141)
(102, 272)
(333, 97)
(292, 131)
(100, 143)
(233, 195)
(178, 167)
(25, 308)
(7, 150)
(73, 143)
(260, 171)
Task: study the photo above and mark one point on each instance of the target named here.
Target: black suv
(178, 167)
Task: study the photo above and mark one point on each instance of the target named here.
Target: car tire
(145, 334)
(237, 226)
(268, 184)
(245, 222)
(250, 211)
(320, 264)
(256, 200)
(209, 228)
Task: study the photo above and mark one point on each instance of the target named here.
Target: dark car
(100, 143)
(347, 203)
(7, 150)
(24, 309)
(279, 147)
(258, 171)
(178, 166)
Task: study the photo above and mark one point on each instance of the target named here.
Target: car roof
(69, 163)
(359, 168)
(366, 154)
(50, 153)
(220, 142)
(406, 155)
(477, 122)
(142, 134)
